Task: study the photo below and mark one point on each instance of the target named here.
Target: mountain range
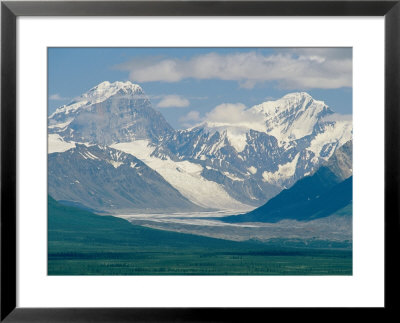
(95, 140)
(321, 194)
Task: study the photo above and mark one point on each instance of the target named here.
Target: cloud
(235, 114)
(190, 118)
(291, 68)
(331, 53)
(173, 101)
(57, 97)
(338, 117)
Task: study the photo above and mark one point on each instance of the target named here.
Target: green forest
(84, 243)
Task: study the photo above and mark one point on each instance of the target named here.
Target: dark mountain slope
(106, 179)
(315, 196)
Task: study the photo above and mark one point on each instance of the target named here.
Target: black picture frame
(10, 10)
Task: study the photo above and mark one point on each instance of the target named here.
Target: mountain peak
(106, 89)
(303, 100)
(298, 95)
(108, 113)
(292, 116)
(100, 93)
(296, 100)
(115, 85)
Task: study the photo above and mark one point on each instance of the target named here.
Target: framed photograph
(198, 161)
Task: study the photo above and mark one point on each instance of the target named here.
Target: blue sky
(184, 84)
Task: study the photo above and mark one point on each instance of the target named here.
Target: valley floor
(333, 228)
(83, 243)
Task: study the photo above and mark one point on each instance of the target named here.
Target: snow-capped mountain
(215, 164)
(107, 179)
(254, 164)
(321, 194)
(108, 113)
(292, 117)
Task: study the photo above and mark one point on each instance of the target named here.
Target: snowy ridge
(184, 176)
(98, 94)
(56, 144)
(284, 172)
(236, 134)
(334, 136)
(293, 116)
(61, 125)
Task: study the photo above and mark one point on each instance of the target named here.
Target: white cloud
(235, 114)
(226, 115)
(190, 119)
(173, 101)
(332, 53)
(291, 68)
(191, 116)
(57, 97)
(338, 117)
